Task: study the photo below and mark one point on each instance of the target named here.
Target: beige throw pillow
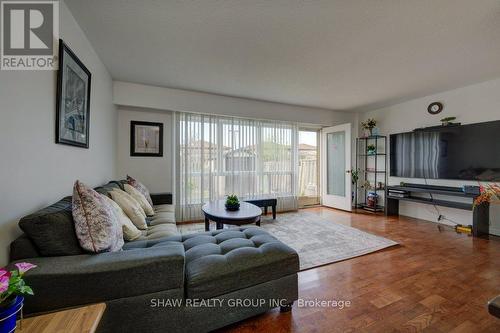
(96, 224)
(131, 208)
(130, 231)
(141, 199)
(131, 198)
(141, 188)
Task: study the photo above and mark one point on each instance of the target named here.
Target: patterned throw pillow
(130, 231)
(141, 188)
(131, 207)
(140, 199)
(96, 225)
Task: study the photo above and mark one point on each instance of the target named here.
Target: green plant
(448, 119)
(371, 148)
(354, 176)
(369, 124)
(366, 185)
(12, 283)
(232, 200)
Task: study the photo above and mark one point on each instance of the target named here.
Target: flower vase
(8, 314)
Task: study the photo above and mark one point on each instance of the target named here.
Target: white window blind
(218, 156)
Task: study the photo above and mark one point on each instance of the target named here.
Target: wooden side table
(84, 319)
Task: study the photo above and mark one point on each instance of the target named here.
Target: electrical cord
(440, 216)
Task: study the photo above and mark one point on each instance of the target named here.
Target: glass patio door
(308, 173)
(336, 167)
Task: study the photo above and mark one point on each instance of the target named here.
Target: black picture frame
(72, 104)
(138, 151)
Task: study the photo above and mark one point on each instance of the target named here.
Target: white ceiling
(335, 54)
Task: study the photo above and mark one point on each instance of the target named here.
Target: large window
(222, 155)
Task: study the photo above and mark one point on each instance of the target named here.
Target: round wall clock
(435, 108)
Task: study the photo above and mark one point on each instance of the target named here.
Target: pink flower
(23, 267)
(4, 283)
(4, 272)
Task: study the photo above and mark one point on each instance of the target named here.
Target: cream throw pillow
(130, 231)
(131, 208)
(141, 199)
(131, 198)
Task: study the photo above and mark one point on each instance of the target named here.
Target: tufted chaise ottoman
(223, 261)
(228, 275)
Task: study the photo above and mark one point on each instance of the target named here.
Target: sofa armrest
(60, 282)
(494, 307)
(161, 198)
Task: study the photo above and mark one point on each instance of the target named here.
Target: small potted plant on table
(232, 203)
(12, 289)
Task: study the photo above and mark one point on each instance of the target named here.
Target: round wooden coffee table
(216, 211)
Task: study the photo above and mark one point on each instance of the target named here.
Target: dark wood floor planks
(433, 282)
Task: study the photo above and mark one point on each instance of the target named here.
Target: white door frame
(334, 201)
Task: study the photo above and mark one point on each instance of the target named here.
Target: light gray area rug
(317, 240)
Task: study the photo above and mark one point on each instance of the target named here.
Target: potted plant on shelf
(232, 203)
(369, 125)
(12, 289)
(366, 185)
(354, 180)
(354, 176)
(447, 121)
(371, 149)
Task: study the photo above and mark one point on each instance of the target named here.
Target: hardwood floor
(433, 282)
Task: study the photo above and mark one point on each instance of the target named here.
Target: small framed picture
(73, 99)
(146, 139)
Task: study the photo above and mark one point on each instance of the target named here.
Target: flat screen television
(467, 152)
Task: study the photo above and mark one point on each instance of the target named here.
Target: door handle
(348, 171)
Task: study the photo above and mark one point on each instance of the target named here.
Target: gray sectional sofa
(173, 283)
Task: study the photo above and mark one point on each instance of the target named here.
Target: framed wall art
(146, 139)
(73, 99)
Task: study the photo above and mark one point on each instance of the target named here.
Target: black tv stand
(480, 214)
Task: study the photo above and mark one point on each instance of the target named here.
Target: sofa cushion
(223, 261)
(96, 224)
(145, 243)
(159, 231)
(69, 281)
(105, 189)
(22, 248)
(52, 230)
(161, 218)
(164, 208)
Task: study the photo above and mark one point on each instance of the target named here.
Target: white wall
(144, 96)
(154, 172)
(471, 104)
(36, 172)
